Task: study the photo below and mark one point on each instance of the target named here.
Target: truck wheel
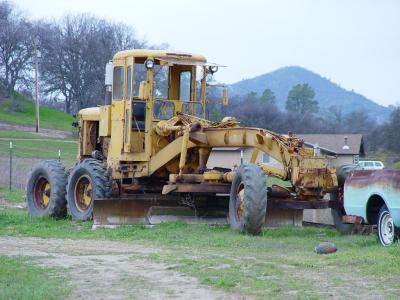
(87, 181)
(45, 190)
(337, 214)
(248, 199)
(387, 232)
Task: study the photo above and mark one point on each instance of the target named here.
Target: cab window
(184, 85)
(140, 74)
(160, 89)
(118, 83)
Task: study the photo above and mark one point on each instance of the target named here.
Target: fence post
(11, 154)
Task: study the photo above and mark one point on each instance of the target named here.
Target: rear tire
(88, 180)
(45, 190)
(387, 232)
(248, 199)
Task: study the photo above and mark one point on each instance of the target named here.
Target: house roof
(336, 142)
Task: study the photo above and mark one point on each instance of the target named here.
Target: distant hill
(327, 93)
(24, 114)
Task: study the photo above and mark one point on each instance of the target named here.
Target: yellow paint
(105, 121)
(213, 175)
(46, 194)
(87, 195)
(90, 114)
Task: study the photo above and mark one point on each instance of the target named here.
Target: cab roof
(161, 54)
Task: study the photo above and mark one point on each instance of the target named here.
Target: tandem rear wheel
(45, 190)
(87, 181)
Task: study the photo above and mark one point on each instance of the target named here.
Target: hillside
(24, 114)
(327, 93)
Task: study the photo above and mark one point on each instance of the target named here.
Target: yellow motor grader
(143, 156)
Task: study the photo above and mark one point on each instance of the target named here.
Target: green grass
(20, 279)
(12, 196)
(40, 149)
(280, 263)
(25, 115)
(14, 134)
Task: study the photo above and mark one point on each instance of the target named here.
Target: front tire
(88, 180)
(248, 199)
(45, 190)
(387, 233)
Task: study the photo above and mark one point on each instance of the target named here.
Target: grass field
(28, 149)
(13, 196)
(25, 114)
(28, 152)
(20, 279)
(48, 149)
(280, 263)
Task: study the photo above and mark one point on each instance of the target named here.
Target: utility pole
(37, 87)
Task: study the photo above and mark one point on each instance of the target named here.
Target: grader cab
(142, 158)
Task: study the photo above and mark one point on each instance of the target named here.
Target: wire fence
(15, 170)
(19, 171)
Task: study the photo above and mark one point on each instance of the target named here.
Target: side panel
(117, 130)
(105, 121)
(362, 185)
(357, 193)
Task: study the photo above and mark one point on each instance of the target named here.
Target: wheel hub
(387, 229)
(83, 193)
(42, 193)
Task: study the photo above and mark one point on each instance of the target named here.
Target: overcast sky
(354, 43)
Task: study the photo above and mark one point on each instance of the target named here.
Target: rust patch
(352, 219)
(365, 178)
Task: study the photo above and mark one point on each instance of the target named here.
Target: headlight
(149, 64)
(213, 69)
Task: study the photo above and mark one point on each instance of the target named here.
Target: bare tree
(74, 54)
(16, 47)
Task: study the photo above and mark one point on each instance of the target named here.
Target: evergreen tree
(301, 99)
(268, 97)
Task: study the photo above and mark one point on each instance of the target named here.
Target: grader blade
(154, 209)
(150, 209)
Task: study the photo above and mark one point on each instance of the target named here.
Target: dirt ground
(110, 270)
